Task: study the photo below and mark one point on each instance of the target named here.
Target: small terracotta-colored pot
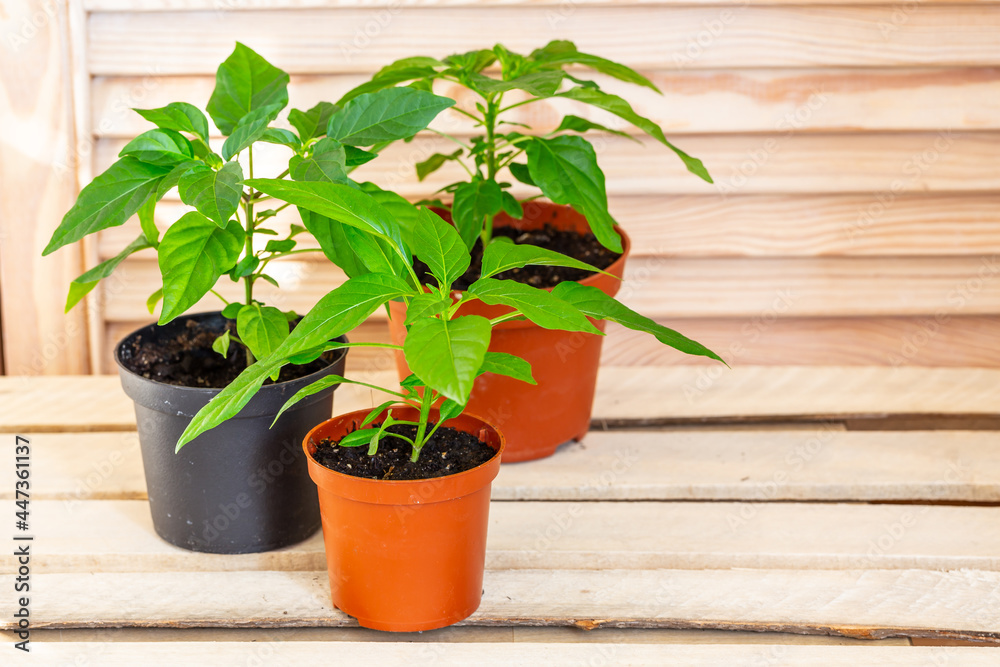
(535, 419)
(405, 556)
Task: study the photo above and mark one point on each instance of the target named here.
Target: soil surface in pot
(188, 360)
(449, 452)
(583, 247)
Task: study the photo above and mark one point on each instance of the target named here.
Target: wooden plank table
(779, 515)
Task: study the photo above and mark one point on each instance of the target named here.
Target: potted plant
(404, 491)
(562, 166)
(242, 488)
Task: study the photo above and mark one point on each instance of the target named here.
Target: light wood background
(855, 148)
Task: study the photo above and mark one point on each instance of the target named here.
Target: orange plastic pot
(535, 419)
(405, 555)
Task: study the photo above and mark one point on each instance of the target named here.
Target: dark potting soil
(188, 360)
(583, 247)
(448, 452)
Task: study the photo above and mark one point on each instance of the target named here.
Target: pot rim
(403, 491)
(312, 377)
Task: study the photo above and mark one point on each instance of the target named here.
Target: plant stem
(248, 250)
(490, 120)
(425, 409)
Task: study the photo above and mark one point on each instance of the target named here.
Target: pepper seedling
(561, 163)
(445, 351)
(221, 235)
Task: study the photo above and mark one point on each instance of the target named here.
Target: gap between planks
(117, 536)
(874, 604)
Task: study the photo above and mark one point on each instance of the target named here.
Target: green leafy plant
(221, 235)
(445, 351)
(562, 164)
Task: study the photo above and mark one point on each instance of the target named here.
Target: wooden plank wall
(855, 147)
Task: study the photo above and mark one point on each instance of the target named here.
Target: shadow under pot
(242, 487)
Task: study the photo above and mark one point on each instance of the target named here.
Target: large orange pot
(405, 555)
(535, 419)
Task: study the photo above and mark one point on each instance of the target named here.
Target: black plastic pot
(242, 487)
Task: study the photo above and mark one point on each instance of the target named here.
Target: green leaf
(277, 135)
(332, 240)
(376, 254)
(599, 305)
(375, 412)
(179, 116)
(161, 147)
(221, 344)
(439, 246)
(215, 194)
(503, 254)
(538, 305)
(576, 124)
(232, 310)
(391, 75)
(147, 222)
(501, 363)
(244, 267)
(473, 202)
(154, 299)
(325, 163)
(338, 201)
(449, 410)
(402, 211)
(243, 83)
(82, 285)
(193, 254)
(386, 115)
(565, 169)
(173, 177)
(323, 383)
(447, 354)
(511, 206)
(622, 109)
(472, 61)
(249, 129)
(343, 309)
(540, 84)
(261, 328)
(357, 156)
(312, 123)
(424, 305)
(521, 173)
(108, 201)
(562, 52)
(435, 162)
(284, 245)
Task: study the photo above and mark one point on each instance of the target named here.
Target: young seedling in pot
(446, 351)
(221, 235)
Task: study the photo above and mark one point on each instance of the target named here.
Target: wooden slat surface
(750, 225)
(243, 5)
(324, 40)
(117, 536)
(749, 288)
(762, 465)
(871, 164)
(867, 604)
(489, 655)
(871, 341)
(680, 394)
(696, 101)
(38, 170)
